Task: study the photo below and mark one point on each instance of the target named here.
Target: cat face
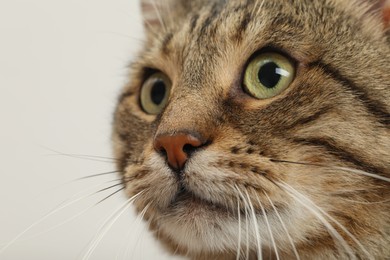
(260, 126)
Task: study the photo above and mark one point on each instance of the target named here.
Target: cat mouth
(187, 198)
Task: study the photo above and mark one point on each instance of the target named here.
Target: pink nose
(175, 147)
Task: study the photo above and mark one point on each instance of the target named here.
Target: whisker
(110, 195)
(126, 245)
(246, 207)
(149, 26)
(333, 219)
(332, 231)
(110, 187)
(158, 13)
(60, 207)
(91, 156)
(88, 158)
(249, 207)
(367, 202)
(140, 217)
(106, 226)
(123, 35)
(81, 155)
(168, 12)
(76, 180)
(71, 218)
(269, 227)
(95, 175)
(257, 230)
(372, 175)
(239, 229)
(283, 226)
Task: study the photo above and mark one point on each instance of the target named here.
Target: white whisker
(67, 220)
(249, 206)
(269, 227)
(256, 227)
(246, 224)
(332, 231)
(372, 175)
(158, 13)
(367, 202)
(60, 207)
(333, 219)
(140, 217)
(168, 13)
(346, 169)
(284, 227)
(239, 229)
(149, 26)
(110, 221)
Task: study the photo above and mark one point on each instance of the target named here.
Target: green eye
(155, 93)
(267, 75)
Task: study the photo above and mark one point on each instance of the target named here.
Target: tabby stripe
(164, 44)
(194, 22)
(244, 23)
(309, 119)
(374, 107)
(341, 153)
(213, 15)
(242, 27)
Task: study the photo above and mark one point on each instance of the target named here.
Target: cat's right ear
(152, 16)
(158, 14)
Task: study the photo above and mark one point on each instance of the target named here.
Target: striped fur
(302, 175)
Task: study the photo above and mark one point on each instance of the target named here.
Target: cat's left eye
(268, 74)
(155, 93)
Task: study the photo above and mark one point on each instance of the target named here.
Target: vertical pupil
(268, 75)
(158, 92)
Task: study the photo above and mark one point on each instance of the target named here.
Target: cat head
(260, 125)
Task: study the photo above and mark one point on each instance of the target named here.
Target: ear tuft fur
(151, 11)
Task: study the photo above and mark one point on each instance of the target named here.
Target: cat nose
(177, 148)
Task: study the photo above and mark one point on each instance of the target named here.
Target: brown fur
(334, 117)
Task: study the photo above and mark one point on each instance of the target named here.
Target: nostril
(163, 152)
(189, 149)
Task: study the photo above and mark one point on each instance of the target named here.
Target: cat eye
(155, 93)
(267, 75)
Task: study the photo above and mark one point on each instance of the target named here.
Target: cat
(260, 128)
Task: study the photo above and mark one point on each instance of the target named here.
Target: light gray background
(62, 64)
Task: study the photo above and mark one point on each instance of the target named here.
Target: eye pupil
(158, 91)
(268, 75)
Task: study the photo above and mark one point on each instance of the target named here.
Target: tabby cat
(256, 129)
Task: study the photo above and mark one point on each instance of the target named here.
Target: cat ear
(152, 15)
(159, 14)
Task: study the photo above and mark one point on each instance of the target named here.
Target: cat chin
(198, 231)
(199, 219)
